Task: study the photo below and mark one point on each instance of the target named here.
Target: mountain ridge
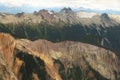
(59, 60)
(7, 18)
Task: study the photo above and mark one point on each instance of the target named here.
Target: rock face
(7, 45)
(21, 59)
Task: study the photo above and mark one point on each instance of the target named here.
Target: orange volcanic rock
(7, 45)
(21, 59)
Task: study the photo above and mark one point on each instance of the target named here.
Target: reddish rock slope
(21, 59)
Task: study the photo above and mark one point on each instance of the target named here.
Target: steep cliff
(7, 45)
(21, 59)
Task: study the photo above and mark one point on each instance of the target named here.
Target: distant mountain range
(65, 15)
(29, 9)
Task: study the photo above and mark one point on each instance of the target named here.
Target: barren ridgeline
(22, 59)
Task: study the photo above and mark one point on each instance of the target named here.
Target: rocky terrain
(66, 15)
(93, 28)
(21, 59)
(65, 45)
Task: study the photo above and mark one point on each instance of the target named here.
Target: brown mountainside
(21, 59)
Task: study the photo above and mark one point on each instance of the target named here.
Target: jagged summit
(105, 17)
(66, 15)
(66, 10)
(20, 14)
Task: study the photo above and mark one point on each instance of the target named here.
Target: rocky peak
(44, 11)
(35, 12)
(45, 15)
(107, 21)
(20, 14)
(66, 10)
(105, 17)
